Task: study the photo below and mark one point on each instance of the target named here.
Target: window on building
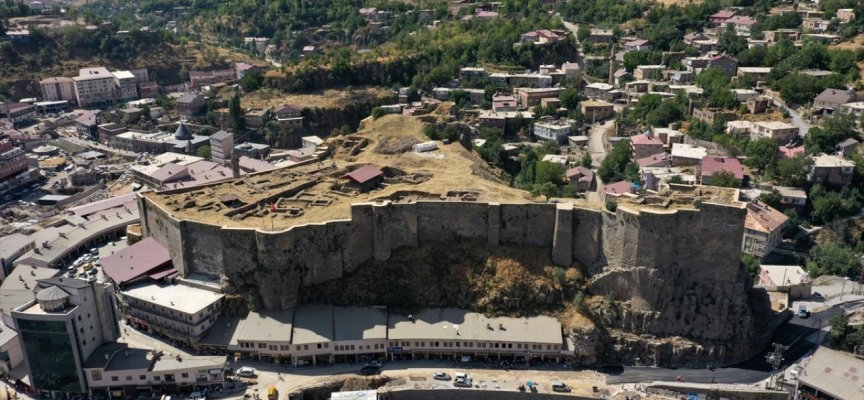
(326, 345)
(157, 378)
(142, 377)
(115, 378)
(518, 345)
(298, 348)
(352, 347)
(184, 375)
(319, 345)
(95, 375)
(128, 377)
(548, 347)
(305, 347)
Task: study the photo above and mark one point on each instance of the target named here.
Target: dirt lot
(450, 168)
(328, 99)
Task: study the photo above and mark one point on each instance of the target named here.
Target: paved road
(575, 29)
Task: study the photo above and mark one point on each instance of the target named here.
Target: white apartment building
(57, 89)
(221, 146)
(180, 312)
(124, 82)
(556, 130)
(94, 87)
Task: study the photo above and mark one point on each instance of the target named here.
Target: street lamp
(845, 279)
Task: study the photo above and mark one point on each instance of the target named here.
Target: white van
(246, 372)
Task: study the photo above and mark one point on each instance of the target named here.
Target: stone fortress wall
(678, 270)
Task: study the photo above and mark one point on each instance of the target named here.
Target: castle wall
(624, 252)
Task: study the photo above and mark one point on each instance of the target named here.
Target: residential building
(601, 36)
(58, 88)
(11, 355)
(721, 17)
(204, 78)
(468, 74)
(776, 36)
(682, 77)
(94, 87)
(596, 110)
(532, 96)
(581, 178)
(12, 163)
(289, 117)
(830, 375)
(597, 90)
(831, 169)
(180, 312)
(645, 145)
(452, 333)
(741, 24)
(221, 147)
(654, 177)
(856, 109)
(13, 247)
(709, 115)
(652, 72)
(691, 38)
(614, 190)
(754, 73)
(257, 118)
(725, 63)
(815, 24)
(556, 130)
(654, 161)
(696, 64)
(763, 229)
(244, 68)
(713, 165)
(117, 370)
(542, 36)
(638, 45)
(789, 279)
(781, 132)
(759, 104)
(148, 90)
(125, 87)
(823, 38)
(847, 147)
(252, 165)
(252, 150)
(88, 123)
(742, 95)
(687, 154)
(832, 99)
(311, 141)
(18, 112)
(845, 15)
(190, 105)
(175, 176)
(792, 197)
(504, 103)
(66, 322)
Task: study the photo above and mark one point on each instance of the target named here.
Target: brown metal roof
(140, 259)
(364, 174)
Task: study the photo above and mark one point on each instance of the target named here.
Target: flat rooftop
(182, 298)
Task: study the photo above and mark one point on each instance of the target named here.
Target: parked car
(248, 372)
(370, 371)
(463, 382)
(802, 312)
(462, 375)
(374, 363)
(560, 387)
(441, 376)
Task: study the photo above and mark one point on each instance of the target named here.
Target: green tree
(236, 112)
(204, 152)
(549, 172)
(586, 160)
(612, 168)
(771, 198)
(611, 205)
(751, 265)
(724, 179)
(583, 33)
(677, 179)
(631, 173)
(145, 112)
(251, 81)
(832, 258)
(792, 171)
(839, 327)
(763, 154)
(570, 99)
(546, 189)
(378, 112)
(839, 127)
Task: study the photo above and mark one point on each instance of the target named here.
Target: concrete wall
(473, 394)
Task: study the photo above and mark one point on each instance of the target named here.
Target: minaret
(235, 165)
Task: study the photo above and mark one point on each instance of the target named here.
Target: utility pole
(775, 358)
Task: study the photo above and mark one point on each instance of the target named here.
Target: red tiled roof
(639, 140)
(584, 174)
(786, 152)
(138, 260)
(725, 14)
(364, 174)
(710, 165)
(762, 218)
(618, 187)
(653, 160)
